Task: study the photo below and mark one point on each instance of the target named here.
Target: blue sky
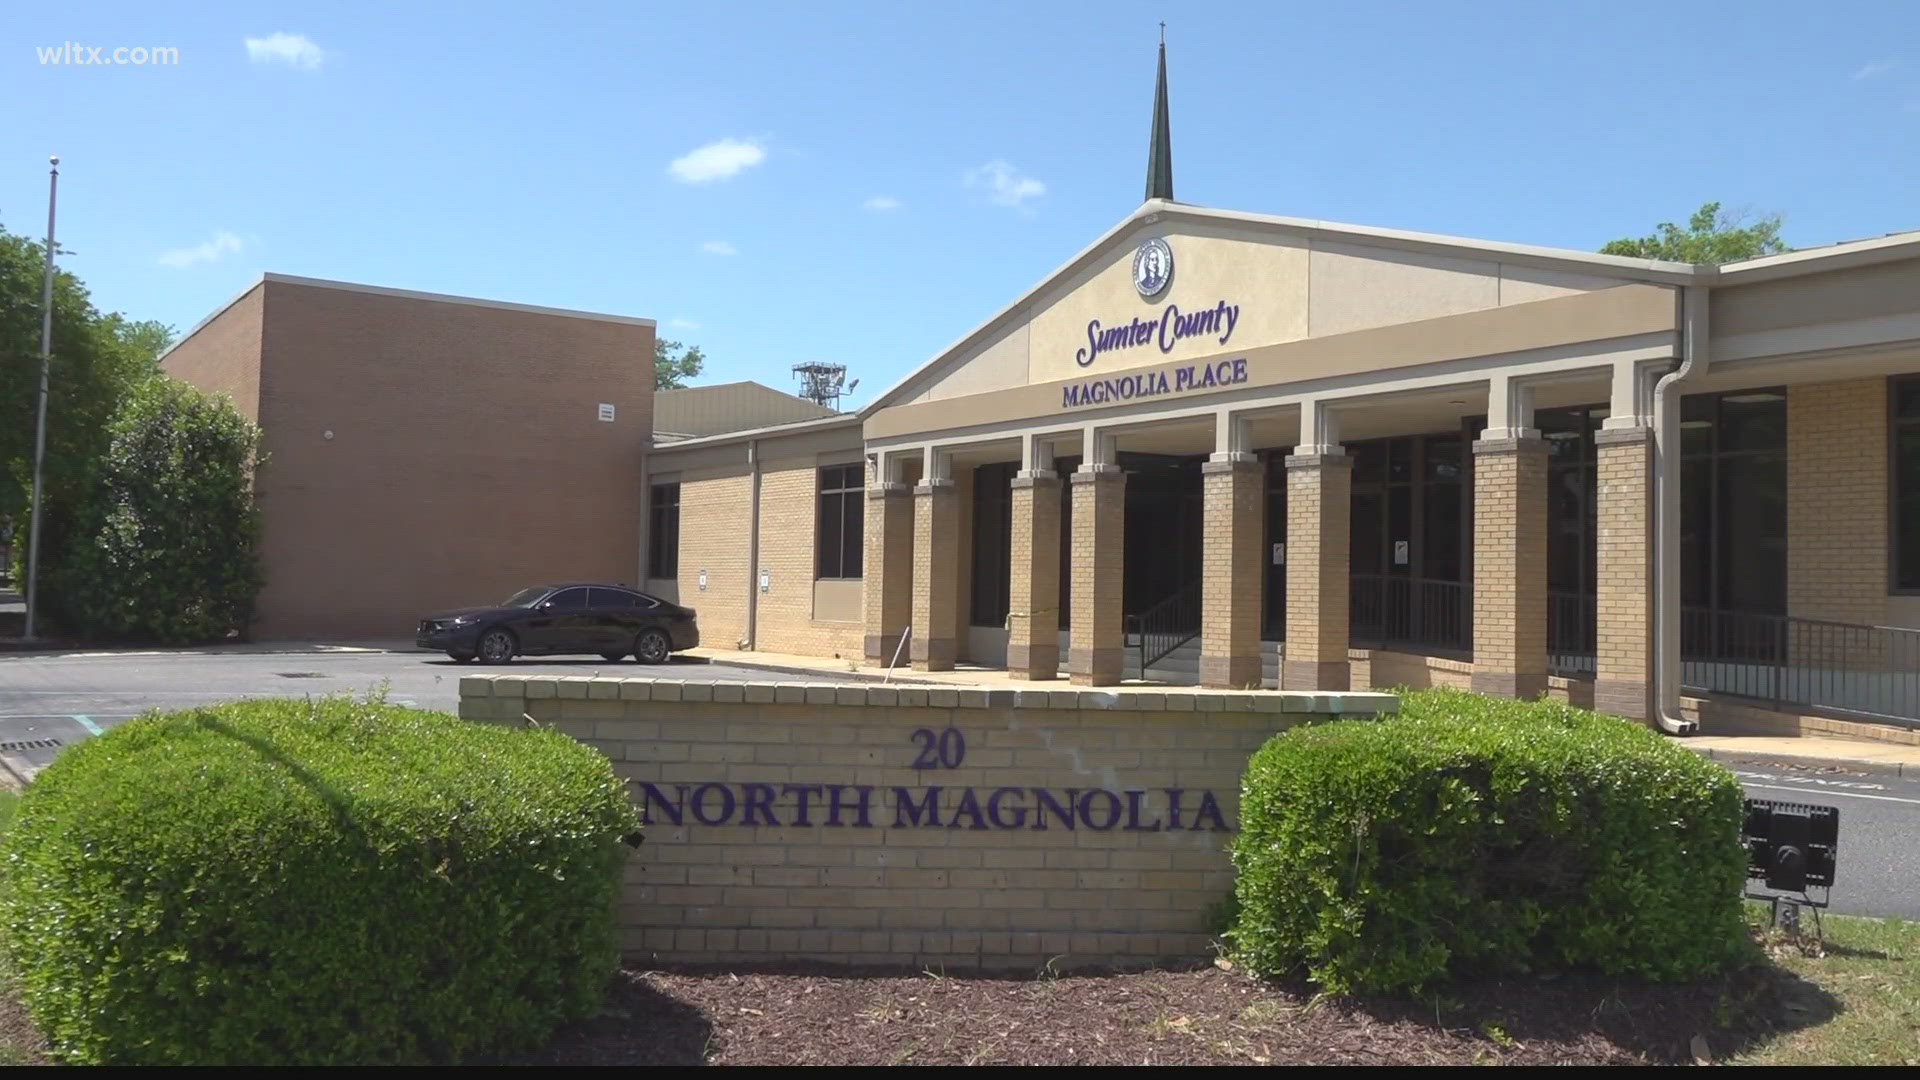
(864, 182)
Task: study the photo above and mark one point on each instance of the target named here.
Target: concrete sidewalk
(1852, 755)
(1856, 755)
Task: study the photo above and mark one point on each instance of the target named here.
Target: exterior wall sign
(868, 806)
(1145, 384)
(1168, 330)
(1152, 268)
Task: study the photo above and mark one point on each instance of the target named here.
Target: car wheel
(613, 657)
(459, 657)
(652, 647)
(497, 647)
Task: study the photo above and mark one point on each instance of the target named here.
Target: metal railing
(1166, 626)
(1572, 632)
(1871, 671)
(1388, 609)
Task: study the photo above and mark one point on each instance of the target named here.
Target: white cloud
(721, 160)
(222, 245)
(882, 204)
(1872, 70)
(1004, 184)
(293, 50)
(682, 324)
(719, 247)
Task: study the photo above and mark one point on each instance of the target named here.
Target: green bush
(332, 882)
(167, 550)
(1472, 834)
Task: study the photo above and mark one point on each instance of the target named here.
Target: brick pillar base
(1097, 642)
(1510, 567)
(889, 569)
(1624, 654)
(1319, 509)
(1033, 617)
(936, 566)
(1231, 589)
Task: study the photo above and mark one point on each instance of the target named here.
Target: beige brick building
(1248, 450)
(425, 452)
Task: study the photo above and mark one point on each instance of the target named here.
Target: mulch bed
(1206, 1016)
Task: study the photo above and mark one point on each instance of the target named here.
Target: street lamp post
(40, 428)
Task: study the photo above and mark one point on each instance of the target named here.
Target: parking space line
(1836, 794)
(87, 722)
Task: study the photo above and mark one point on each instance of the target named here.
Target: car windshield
(526, 597)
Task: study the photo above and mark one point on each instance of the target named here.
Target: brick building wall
(792, 822)
(1837, 500)
(789, 538)
(427, 452)
(714, 537)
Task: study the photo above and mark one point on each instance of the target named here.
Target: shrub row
(333, 882)
(1472, 834)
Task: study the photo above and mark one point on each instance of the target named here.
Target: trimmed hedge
(330, 882)
(1472, 834)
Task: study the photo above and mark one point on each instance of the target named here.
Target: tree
(172, 529)
(674, 364)
(1711, 237)
(97, 360)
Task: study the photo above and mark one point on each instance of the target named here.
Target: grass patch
(1857, 1004)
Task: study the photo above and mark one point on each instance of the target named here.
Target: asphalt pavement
(48, 701)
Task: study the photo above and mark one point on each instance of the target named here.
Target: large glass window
(992, 544)
(663, 531)
(1906, 483)
(840, 522)
(1733, 493)
(1408, 543)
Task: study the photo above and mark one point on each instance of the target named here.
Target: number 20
(943, 751)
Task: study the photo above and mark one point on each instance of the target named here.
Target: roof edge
(1652, 271)
(449, 298)
(822, 423)
(1851, 253)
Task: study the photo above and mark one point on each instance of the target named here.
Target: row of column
(913, 544)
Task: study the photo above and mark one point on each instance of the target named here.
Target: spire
(1160, 155)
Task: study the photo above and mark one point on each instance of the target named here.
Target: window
(992, 544)
(663, 532)
(1733, 493)
(1906, 483)
(612, 600)
(569, 599)
(840, 522)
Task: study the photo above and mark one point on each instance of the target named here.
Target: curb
(1895, 769)
(814, 672)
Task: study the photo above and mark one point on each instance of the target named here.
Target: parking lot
(67, 697)
(51, 701)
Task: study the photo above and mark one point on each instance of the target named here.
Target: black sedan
(611, 621)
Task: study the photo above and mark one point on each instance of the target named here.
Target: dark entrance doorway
(1411, 526)
(1163, 530)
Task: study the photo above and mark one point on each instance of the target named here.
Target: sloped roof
(1159, 212)
(697, 411)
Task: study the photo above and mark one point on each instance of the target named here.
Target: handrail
(1169, 624)
(1786, 660)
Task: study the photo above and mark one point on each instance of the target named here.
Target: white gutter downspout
(752, 640)
(1666, 487)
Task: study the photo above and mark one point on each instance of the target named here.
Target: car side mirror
(546, 605)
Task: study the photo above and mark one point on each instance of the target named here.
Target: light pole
(40, 428)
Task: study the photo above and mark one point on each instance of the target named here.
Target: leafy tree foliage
(674, 364)
(1711, 237)
(169, 544)
(97, 360)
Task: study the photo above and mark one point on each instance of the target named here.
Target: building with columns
(1236, 449)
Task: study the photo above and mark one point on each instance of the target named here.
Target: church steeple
(1160, 154)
